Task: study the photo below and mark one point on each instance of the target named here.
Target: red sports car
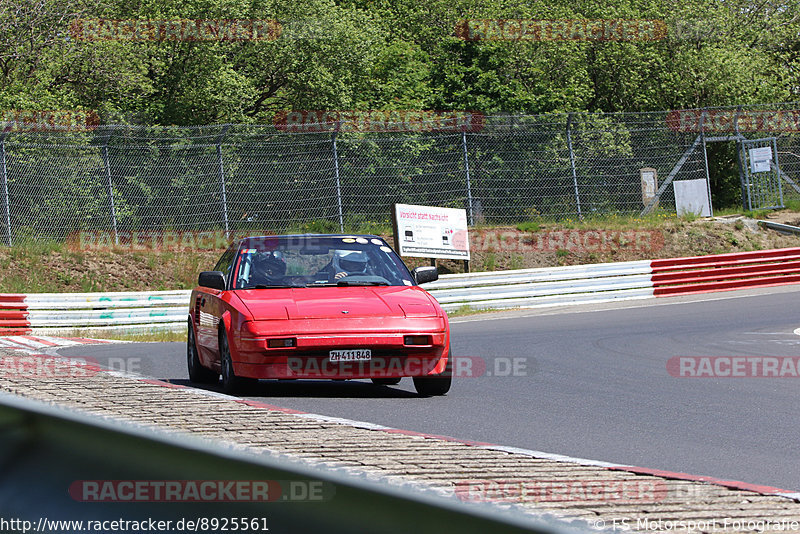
(317, 307)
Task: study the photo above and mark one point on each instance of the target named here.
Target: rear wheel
(386, 381)
(230, 382)
(197, 373)
(431, 386)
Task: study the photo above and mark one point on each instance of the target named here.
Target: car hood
(330, 302)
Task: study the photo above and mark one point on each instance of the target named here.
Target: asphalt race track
(589, 382)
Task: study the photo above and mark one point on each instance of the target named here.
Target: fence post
(336, 174)
(746, 204)
(221, 173)
(6, 203)
(572, 164)
(466, 168)
(705, 159)
(110, 188)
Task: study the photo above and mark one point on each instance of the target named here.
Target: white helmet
(350, 261)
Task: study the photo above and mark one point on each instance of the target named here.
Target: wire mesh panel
(51, 198)
(788, 156)
(277, 181)
(378, 170)
(259, 178)
(762, 181)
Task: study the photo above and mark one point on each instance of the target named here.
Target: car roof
(245, 240)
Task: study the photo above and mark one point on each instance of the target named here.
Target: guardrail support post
(469, 184)
(4, 172)
(110, 190)
(336, 175)
(572, 164)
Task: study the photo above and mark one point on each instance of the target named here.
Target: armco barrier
(573, 284)
(166, 310)
(722, 272)
(70, 312)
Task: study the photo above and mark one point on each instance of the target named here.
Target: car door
(209, 308)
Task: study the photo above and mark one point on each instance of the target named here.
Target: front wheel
(432, 386)
(197, 373)
(230, 382)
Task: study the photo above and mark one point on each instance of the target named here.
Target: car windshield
(317, 261)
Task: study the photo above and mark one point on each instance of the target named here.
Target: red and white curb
(31, 344)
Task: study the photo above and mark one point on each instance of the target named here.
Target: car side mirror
(212, 279)
(425, 274)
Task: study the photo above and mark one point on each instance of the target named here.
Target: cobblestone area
(602, 494)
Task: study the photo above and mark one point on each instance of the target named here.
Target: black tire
(197, 373)
(386, 381)
(230, 382)
(433, 386)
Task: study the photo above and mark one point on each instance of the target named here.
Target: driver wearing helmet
(347, 263)
(269, 269)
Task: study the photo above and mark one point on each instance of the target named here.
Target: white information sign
(649, 184)
(691, 196)
(431, 232)
(760, 159)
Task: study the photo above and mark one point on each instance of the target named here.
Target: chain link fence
(246, 178)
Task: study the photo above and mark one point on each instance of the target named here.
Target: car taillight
(416, 340)
(281, 343)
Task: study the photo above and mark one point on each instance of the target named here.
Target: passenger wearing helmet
(269, 269)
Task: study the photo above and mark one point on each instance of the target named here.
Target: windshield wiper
(361, 283)
(276, 286)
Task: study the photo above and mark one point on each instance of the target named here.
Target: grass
(528, 226)
(614, 221)
(137, 337)
(792, 204)
(751, 214)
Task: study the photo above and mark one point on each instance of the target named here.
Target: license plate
(351, 355)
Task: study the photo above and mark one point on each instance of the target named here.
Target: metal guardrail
(55, 313)
(59, 313)
(545, 286)
(723, 272)
(783, 228)
(45, 451)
